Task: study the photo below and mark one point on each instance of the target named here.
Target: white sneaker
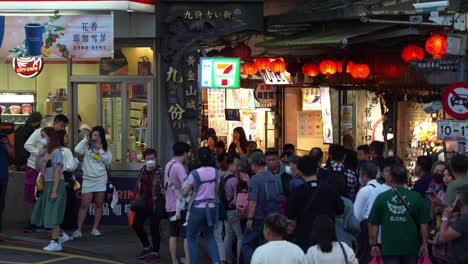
(77, 234)
(95, 233)
(64, 238)
(53, 246)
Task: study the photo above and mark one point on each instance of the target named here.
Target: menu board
(216, 111)
(240, 99)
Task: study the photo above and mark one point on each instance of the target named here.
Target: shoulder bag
(408, 207)
(139, 203)
(344, 253)
(40, 185)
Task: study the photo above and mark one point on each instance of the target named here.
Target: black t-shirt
(304, 204)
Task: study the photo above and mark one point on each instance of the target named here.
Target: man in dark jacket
(22, 134)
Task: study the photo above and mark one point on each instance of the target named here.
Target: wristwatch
(444, 219)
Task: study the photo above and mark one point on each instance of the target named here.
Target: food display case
(15, 107)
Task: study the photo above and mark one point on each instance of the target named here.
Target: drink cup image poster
(89, 36)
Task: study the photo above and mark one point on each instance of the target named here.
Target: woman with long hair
(49, 209)
(97, 156)
(436, 198)
(239, 142)
(204, 211)
(327, 249)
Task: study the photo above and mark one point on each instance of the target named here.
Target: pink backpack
(242, 204)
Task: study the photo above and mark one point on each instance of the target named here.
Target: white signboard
(456, 130)
(327, 125)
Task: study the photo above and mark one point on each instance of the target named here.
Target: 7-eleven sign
(225, 73)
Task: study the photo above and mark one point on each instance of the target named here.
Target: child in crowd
(183, 203)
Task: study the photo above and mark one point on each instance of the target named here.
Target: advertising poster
(327, 125)
(240, 99)
(88, 36)
(216, 111)
(346, 119)
(311, 99)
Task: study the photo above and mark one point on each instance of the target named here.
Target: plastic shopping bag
(377, 260)
(424, 260)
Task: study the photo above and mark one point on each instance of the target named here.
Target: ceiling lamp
(360, 71)
(249, 69)
(412, 52)
(262, 64)
(310, 70)
(328, 67)
(278, 66)
(242, 51)
(436, 46)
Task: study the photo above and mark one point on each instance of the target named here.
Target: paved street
(16, 252)
(119, 244)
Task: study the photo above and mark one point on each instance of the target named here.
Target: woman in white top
(277, 250)
(97, 156)
(327, 248)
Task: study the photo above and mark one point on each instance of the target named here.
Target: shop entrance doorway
(123, 106)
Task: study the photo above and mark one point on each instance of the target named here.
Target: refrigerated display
(112, 123)
(15, 107)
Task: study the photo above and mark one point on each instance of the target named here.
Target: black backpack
(22, 135)
(224, 204)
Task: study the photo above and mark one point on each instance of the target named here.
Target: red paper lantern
(262, 64)
(278, 66)
(242, 51)
(328, 67)
(310, 70)
(292, 66)
(249, 69)
(436, 46)
(412, 52)
(360, 71)
(349, 66)
(339, 66)
(227, 52)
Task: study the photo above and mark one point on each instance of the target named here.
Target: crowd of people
(250, 206)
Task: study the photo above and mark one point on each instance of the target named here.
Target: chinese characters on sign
(207, 14)
(187, 79)
(90, 38)
(74, 36)
(265, 94)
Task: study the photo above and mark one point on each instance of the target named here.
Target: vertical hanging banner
(89, 36)
(327, 125)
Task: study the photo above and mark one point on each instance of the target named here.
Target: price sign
(452, 130)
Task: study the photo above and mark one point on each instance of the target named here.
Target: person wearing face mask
(33, 145)
(149, 185)
(294, 175)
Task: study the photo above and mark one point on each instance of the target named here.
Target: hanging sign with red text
(265, 94)
(28, 67)
(455, 100)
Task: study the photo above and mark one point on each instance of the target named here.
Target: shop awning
(19, 6)
(333, 36)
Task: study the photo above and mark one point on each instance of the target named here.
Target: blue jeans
(251, 240)
(400, 259)
(198, 219)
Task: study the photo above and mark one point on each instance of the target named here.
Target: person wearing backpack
(310, 200)
(264, 199)
(22, 134)
(228, 194)
(204, 212)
